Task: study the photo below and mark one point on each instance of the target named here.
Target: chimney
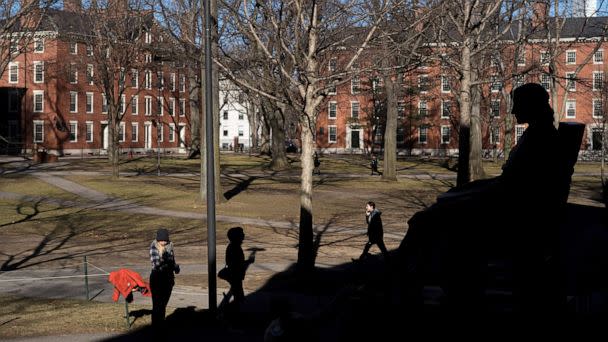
(72, 6)
(540, 13)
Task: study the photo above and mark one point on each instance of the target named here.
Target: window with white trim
(123, 104)
(90, 74)
(571, 81)
(333, 134)
(134, 78)
(331, 90)
(571, 57)
(400, 109)
(73, 131)
(445, 109)
(333, 65)
(73, 73)
(38, 72)
(148, 79)
(422, 108)
(89, 49)
(73, 102)
(445, 84)
(495, 108)
(496, 84)
(160, 80)
(13, 72)
(423, 134)
(121, 132)
(159, 106)
(148, 105)
(545, 81)
(148, 38)
(519, 131)
(333, 110)
(134, 105)
(598, 57)
(38, 101)
(355, 84)
(38, 131)
(104, 104)
(598, 80)
(171, 132)
(134, 131)
(172, 81)
(423, 83)
(89, 131)
(598, 110)
(38, 45)
(240, 131)
(354, 109)
(182, 107)
(89, 103)
(445, 134)
(225, 115)
(182, 83)
(73, 48)
(160, 132)
(171, 106)
(494, 135)
(570, 109)
(545, 56)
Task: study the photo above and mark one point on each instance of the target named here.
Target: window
(160, 80)
(182, 107)
(544, 57)
(148, 37)
(123, 104)
(545, 81)
(182, 83)
(521, 57)
(73, 48)
(14, 47)
(172, 82)
(377, 85)
(423, 83)
(38, 131)
(519, 131)
(241, 116)
(104, 104)
(331, 90)
(89, 50)
(38, 72)
(496, 84)
(134, 131)
(333, 65)
(355, 84)
(225, 115)
(148, 79)
(598, 57)
(495, 108)
(354, 110)
(598, 80)
(159, 106)
(38, 45)
(333, 134)
(160, 133)
(519, 80)
(445, 84)
(89, 105)
(121, 132)
(89, 131)
(73, 102)
(148, 107)
(73, 131)
(400, 109)
(570, 81)
(445, 134)
(423, 134)
(135, 105)
(171, 132)
(494, 135)
(13, 72)
(38, 101)
(597, 109)
(122, 79)
(445, 109)
(240, 131)
(570, 109)
(148, 58)
(90, 74)
(400, 134)
(171, 106)
(73, 73)
(422, 108)
(225, 132)
(596, 138)
(571, 57)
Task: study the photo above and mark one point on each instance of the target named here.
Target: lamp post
(158, 136)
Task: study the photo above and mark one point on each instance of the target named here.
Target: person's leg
(383, 249)
(157, 298)
(365, 252)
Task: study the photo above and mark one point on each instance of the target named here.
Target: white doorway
(354, 139)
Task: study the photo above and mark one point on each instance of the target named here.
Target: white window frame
(90, 74)
(35, 94)
(160, 104)
(544, 57)
(182, 85)
(354, 104)
(134, 78)
(90, 103)
(73, 77)
(443, 105)
(148, 79)
(171, 106)
(38, 42)
(420, 107)
(445, 84)
(135, 129)
(89, 127)
(73, 48)
(13, 70)
(424, 129)
(332, 64)
(355, 84)
(123, 104)
(38, 124)
(172, 81)
(518, 131)
(182, 107)
(74, 126)
(601, 74)
(134, 105)
(329, 111)
(148, 105)
(332, 89)
(568, 55)
(542, 81)
(89, 50)
(571, 81)
(38, 64)
(160, 132)
(121, 132)
(570, 105)
(104, 104)
(423, 83)
(593, 108)
(492, 102)
(445, 127)
(598, 53)
(171, 132)
(329, 129)
(521, 58)
(494, 129)
(74, 97)
(148, 37)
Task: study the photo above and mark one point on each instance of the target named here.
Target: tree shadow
(240, 186)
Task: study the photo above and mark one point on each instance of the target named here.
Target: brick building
(428, 111)
(52, 99)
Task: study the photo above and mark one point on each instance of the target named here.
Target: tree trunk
(475, 162)
(195, 114)
(390, 133)
(463, 176)
(279, 157)
(305, 245)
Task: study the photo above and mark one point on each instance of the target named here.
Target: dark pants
(369, 244)
(236, 287)
(161, 284)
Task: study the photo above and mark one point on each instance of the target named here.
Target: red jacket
(125, 281)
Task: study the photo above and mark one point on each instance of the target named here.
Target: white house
(234, 118)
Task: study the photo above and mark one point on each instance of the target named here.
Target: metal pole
(86, 277)
(127, 314)
(210, 163)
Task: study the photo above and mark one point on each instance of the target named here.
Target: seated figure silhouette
(509, 216)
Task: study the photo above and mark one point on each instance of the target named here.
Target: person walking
(235, 260)
(374, 165)
(375, 232)
(162, 277)
(317, 164)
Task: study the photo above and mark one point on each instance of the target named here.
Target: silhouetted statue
(375, 231)
(511, 215)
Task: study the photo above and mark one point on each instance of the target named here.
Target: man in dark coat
(375, 232)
